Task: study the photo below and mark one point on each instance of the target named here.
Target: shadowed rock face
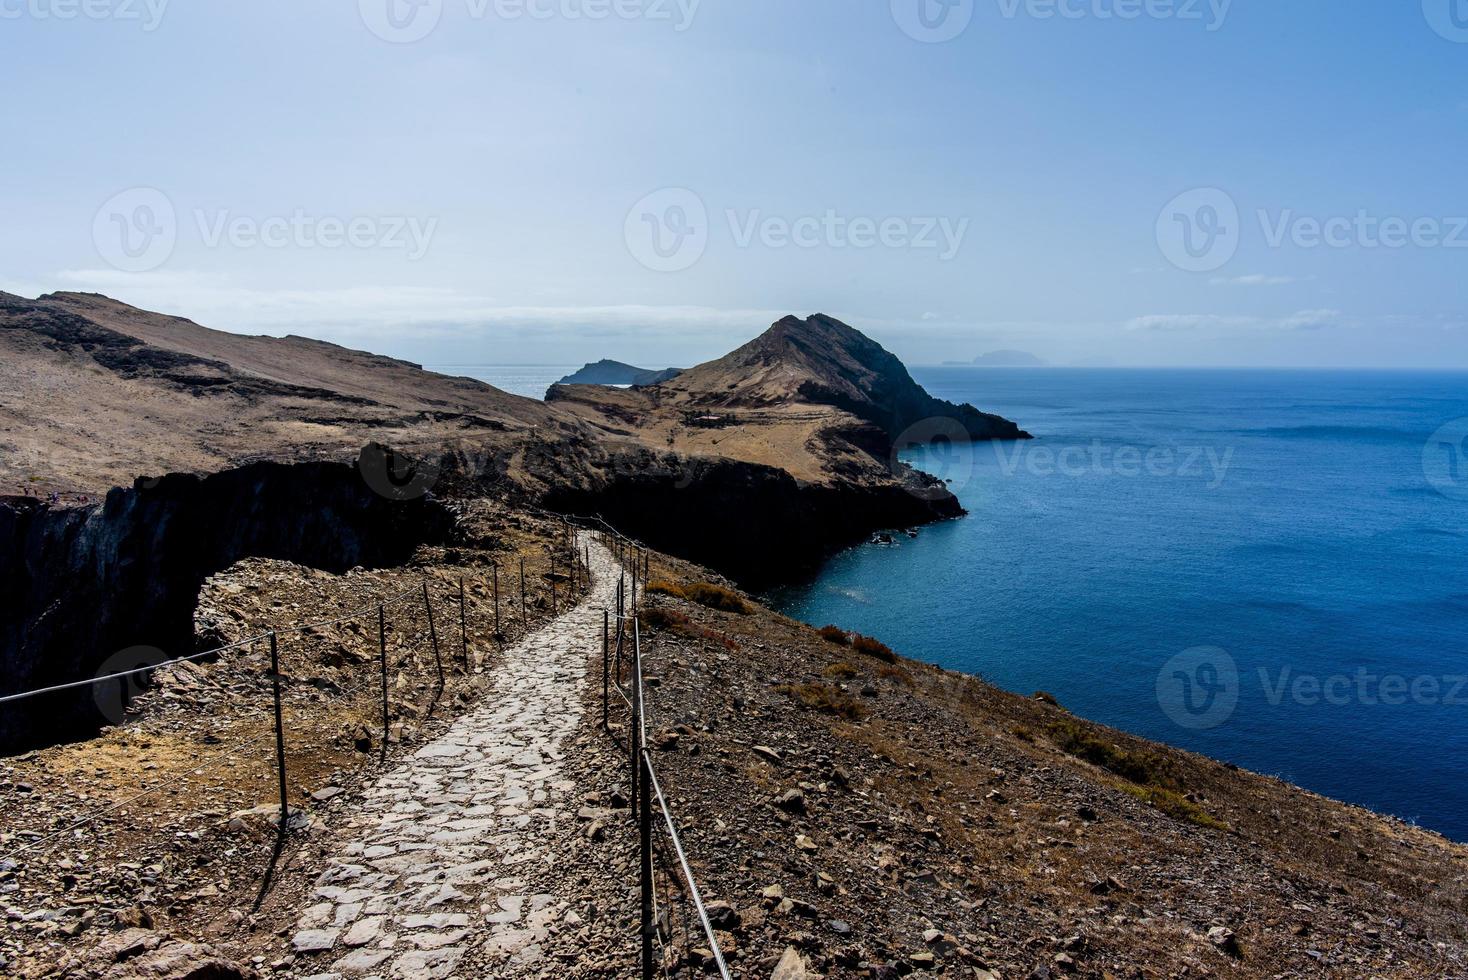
(760, 464)
(754, 523)
(89, 582)
(605, 372)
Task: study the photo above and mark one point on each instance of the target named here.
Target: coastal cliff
(88, 583)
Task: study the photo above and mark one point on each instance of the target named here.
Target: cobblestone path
(427, 874)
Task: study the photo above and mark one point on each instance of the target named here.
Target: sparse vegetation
(659, 617)
(1142, 768)
(842, 671)
(1175, 805)
(872, 647)
(891, 672)
(704, 593)
(826, 698)
(836, 635)
(1150, 777)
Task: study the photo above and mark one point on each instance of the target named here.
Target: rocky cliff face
(88, 583)
(822, 361)
(755, 523)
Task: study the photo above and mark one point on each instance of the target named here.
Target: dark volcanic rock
(606, 372)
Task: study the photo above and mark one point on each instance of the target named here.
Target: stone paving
(433, 871)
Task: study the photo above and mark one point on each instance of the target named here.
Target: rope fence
(659, 842)
(282, 690)
(624, 655)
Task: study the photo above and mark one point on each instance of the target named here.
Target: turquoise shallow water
(1268, 567)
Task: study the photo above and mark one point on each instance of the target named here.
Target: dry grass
(871, 647)
(826, 698)
(836, 635)
(704, 593)
(840, 671)
(1152, 778)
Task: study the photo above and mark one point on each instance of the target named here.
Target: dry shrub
(1154, 779)
(1175, 805)
(826, 698)
(844, 671)
(836, 635)
(889, 672)
(873, 647)
(657, 617)
(703, 593)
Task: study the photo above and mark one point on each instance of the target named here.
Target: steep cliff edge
(822, 361)
(813, 397)
(87, 583)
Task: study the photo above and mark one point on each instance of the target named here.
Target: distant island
(605, 372)
(1001, 358)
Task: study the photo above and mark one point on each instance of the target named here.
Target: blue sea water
(1268, 567)
(527, 380)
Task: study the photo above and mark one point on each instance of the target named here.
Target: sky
(1100, 182)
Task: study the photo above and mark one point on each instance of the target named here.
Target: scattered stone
(791, 801)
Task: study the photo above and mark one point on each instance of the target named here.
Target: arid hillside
(846, 811)
(95, 393)
(814, 397)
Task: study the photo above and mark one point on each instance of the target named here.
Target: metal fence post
(382, 660)
(644, 843)
(464, 624)
(523, 617)
(553, 580)
(285, 806)
(634, 737)
(497, 631)
(433, 634)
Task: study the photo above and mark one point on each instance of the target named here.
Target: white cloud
(1303, 320)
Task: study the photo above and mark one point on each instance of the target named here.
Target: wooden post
(433, 634)
(523, 618)
(497, 631)
(285, 806)
(382, 661)
(464, 624)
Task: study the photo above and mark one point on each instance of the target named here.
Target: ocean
(1268, 567)
(529, 380)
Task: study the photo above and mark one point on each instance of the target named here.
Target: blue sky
(659, 183)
